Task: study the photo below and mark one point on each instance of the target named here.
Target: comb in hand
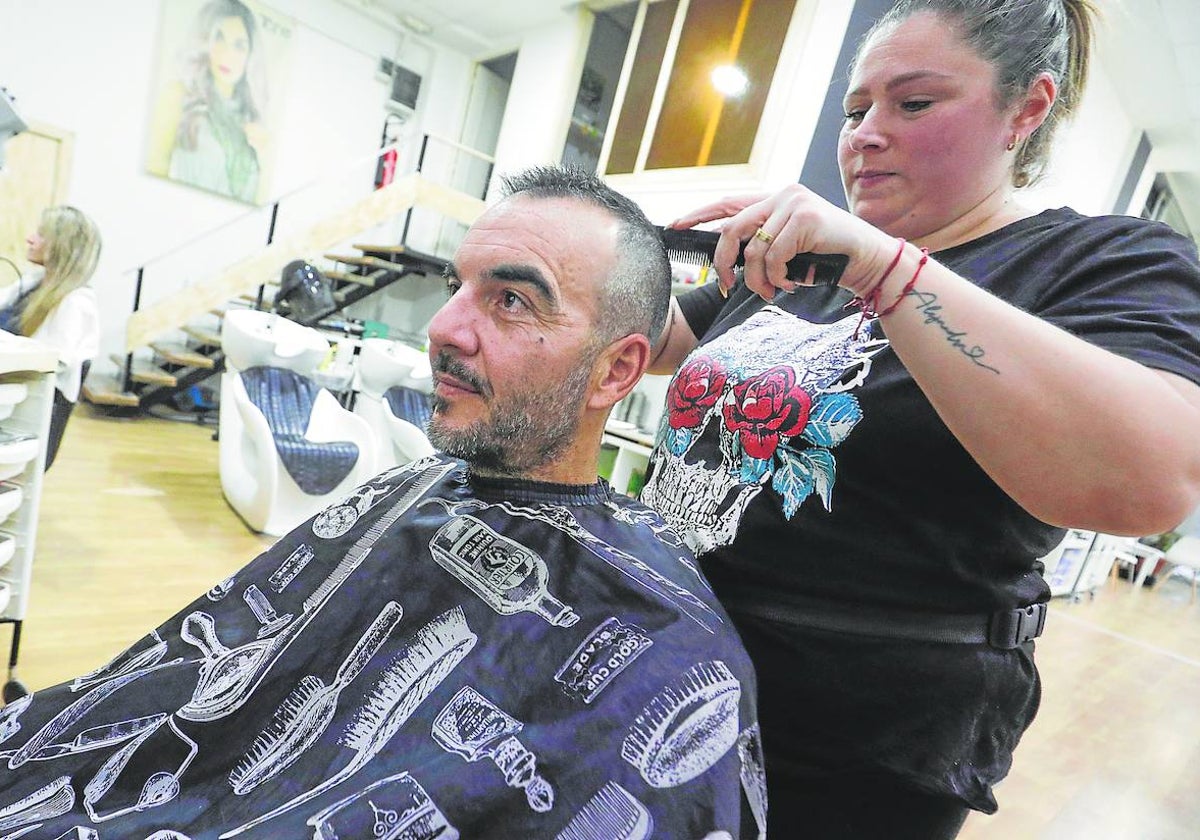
(696, 247)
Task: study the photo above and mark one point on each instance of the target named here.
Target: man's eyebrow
(449, 272)
(525, 274)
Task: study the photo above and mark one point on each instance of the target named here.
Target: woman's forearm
(1075, 434)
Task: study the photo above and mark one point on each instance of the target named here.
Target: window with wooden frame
(696, 81)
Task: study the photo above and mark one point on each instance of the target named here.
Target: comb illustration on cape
(307, 712)
(229, 676)
(425, 660)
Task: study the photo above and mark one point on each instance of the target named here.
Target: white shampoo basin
(251, 338)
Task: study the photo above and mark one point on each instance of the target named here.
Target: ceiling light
(730, 80)
(418, 25)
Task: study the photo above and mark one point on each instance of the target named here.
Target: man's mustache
(445, 363)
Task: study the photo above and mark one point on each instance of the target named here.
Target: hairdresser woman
(869, 488)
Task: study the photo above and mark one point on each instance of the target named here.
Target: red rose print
(695, 389)
(766, 407)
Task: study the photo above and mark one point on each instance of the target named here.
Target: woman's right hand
(796, 220)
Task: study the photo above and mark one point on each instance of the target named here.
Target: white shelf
(16, 452)
(11, 497)
(12, 394)
(633, 453)
(8, 545)
(26, 397)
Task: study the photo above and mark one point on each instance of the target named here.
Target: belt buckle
(1012, 628)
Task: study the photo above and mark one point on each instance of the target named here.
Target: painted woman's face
(35, 248)
(228, 51)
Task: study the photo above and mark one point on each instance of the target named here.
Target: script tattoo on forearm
(928, 306)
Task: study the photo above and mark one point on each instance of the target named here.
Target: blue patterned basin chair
(288, 448)
(398, 418)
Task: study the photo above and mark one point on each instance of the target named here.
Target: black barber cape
(437, 656)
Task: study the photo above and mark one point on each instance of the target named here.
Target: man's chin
(459, 440)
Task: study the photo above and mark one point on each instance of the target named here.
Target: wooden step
(106, 390)
(151, 375)
(206, 337)
(381, 249)
(346, 276)
(233, 305)
(361, 279)
(345, 259)
(146, 372)
(182, 356)
(365, 262)
(250, 301)
(402, 255)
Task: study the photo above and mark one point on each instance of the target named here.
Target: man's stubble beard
(521, 434)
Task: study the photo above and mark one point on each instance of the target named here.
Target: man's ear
(617, 370)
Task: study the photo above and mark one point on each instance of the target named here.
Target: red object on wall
(385, 170)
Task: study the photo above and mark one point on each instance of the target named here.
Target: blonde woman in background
(53, 304)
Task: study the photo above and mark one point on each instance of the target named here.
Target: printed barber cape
(437, 656)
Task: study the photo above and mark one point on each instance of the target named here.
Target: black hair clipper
(696, 248)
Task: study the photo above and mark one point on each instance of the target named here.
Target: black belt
(1004, 630)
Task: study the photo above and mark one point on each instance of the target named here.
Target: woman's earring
(1012, 144)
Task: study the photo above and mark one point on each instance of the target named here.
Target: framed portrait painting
(214, 118)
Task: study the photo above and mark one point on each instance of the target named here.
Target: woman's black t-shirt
(804, 463)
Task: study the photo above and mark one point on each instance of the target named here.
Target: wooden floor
(133, 527)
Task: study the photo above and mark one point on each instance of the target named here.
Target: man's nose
(454, 325)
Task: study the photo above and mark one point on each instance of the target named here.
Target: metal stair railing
(379, 206)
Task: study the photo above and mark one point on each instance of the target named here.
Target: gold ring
(763, 236)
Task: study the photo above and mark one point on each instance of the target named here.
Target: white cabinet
(632, 456)
(1065, 564)
(26, 397)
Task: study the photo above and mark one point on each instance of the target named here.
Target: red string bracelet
(869, 300)
(908, 287)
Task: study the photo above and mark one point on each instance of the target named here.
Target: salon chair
(1184, 553)
(392, 384)
(287, 448)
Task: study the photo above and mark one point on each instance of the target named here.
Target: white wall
(1091, 155)
(542, 94)
(89, 68)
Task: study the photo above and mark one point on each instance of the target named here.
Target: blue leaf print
(832, 418)
(793, 481)
(753, 469)
(823, 470)
(678, 441)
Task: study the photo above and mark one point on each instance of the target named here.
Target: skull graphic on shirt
(764, 404)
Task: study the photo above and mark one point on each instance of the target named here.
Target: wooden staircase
(177, 343)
